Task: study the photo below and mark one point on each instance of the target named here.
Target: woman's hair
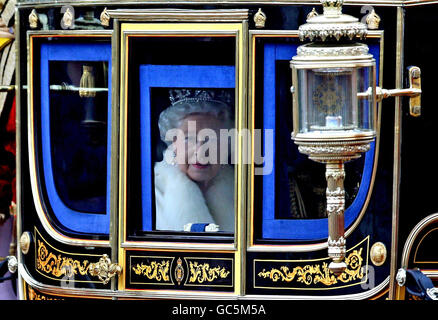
(187, 102)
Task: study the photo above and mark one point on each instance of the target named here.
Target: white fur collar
(179, 200)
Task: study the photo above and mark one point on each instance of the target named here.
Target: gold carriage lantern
(334, 105)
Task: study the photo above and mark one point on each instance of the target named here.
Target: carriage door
(180, 224)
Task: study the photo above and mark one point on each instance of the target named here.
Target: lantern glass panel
(331, 100)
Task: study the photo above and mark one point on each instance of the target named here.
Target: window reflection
(78, 113)
(194, 183)
(300, 182)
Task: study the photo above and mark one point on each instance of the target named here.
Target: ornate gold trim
(58, 265)
(180, 15)
(204, 272)
(313, 274)
(34, 295)
(158, 271)
(309, 273)
(386, 3)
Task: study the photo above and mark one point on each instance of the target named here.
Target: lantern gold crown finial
(332, 7)
(332, 24)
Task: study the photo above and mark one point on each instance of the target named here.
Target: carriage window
(291, 197)
(78, 133)
(75, 139)
(180, 120)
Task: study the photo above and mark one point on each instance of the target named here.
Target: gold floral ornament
(373, 20)
(260, 19)
(67, 19)
(158, 271)
(312, 14)
(105, 18)
(33, 295)
(205, 273)
(57, 265)
(33, 19)
(104, 269)
(314, 274)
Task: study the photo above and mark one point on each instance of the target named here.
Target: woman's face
(197, 148)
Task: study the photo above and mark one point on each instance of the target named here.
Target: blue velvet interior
(299, 229)
(77, 221)
(169, 76)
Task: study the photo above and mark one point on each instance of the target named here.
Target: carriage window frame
(264, 228)
(128, 30)
(56, 223)
(177, 76)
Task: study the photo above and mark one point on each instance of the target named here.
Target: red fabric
(7, 170)
(10, 126)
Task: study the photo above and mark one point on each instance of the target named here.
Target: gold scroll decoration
(34, 295)
(203, 272)
(314, 274)
(57, 265)
(158, 271)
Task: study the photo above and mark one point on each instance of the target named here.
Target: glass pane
(365, 101)
(182, 183)
(335, 99)
(78, 116)
(193, 187)
(300, 182)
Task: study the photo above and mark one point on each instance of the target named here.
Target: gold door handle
(104, 269)
(413, 92)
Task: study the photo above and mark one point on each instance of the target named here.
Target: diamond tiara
(177, 96)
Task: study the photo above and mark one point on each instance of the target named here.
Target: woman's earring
(173, 162)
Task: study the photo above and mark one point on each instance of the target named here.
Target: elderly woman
(192, 193)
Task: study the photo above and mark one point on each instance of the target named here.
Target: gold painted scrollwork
(354, 267)
(158, 271)
(33, 295)
(314, 274)
(203, 272)
(57, 265)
